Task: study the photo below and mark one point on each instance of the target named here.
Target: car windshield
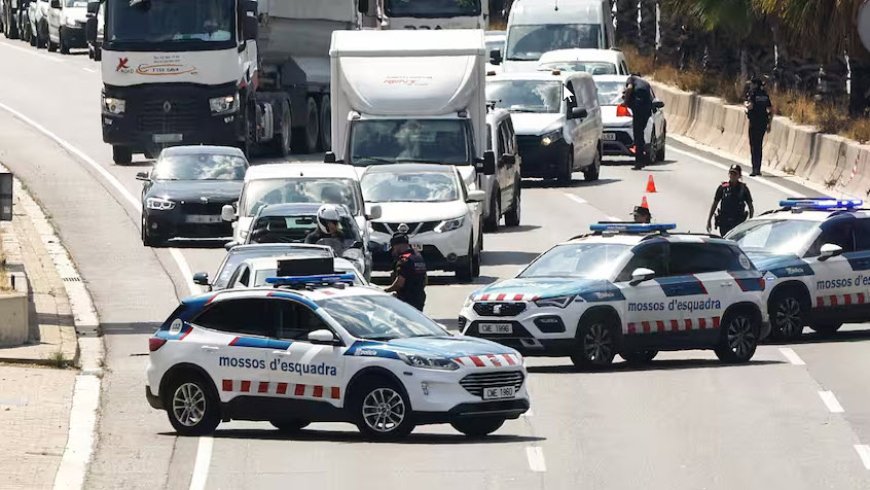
(380, 317)
(586, 260)
(590, 67)
(525, 95)
(411, 187)
(237, 256)
(431, 8)
(76, 3)
(386, 141)
(610, 93)
(200, 167)
(774, 236)
(294, 229)
(529, 42)
(173, 21)
(295, 190)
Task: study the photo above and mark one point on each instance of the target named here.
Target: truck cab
(424, 14)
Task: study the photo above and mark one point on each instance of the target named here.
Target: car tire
(490, 224)
(661, 152)
(475, 257)
(148, 239)
(639, 357)
(651, 147)
(32, 38)
(597, 342)
(98, 54)
(290, 426)
(41, 35)
(739, 336)
(826, 328)
(787, 315)
(513, 216)
(122, 155)
(591, 173)
(192, 405)
(568, 172)
(64, 48)
(382, 410)
(465, 265)
(478, 426)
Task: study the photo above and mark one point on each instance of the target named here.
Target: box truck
(424, 14)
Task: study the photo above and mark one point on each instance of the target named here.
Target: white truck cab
(424, 14)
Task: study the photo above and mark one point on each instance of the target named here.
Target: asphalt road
(684, 422)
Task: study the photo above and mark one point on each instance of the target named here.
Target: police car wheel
(826, 328)
(739, 340)
(478, 426)
(383, 411)
(193, 409)
(290, 425)
(596, 344)
(787, 316)
(639, 357)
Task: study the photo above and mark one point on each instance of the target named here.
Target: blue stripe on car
(681, 286)
(258, 343)
(607, 292)
(370, 348)
(748, 280)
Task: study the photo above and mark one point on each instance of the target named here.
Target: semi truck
(246, 73)
(424, 14)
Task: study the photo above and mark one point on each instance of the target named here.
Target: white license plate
(168, 138)
(609, 136)
(417, 247)
(496, 328)
(499, 393)
(203, 219)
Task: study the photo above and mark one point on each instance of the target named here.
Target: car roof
(812, 214)
(315, 294)
(410, 168)
(296, 209)
(253, 247)
(580, 54)
(497, 115)
(610, 78)
(634, 238)
(202, 149)
(542, 75)
(303, 170)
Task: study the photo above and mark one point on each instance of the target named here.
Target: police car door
(644, 312)
(302, 369)
(839, 278)
(699, 288)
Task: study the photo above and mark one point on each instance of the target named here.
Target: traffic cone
(632, 149)
(651, 185)
(643, 203)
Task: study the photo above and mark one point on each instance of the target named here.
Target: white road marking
(528, 413)
(33, 52)
(831, 401)
(576, 198)
(80, 441)
(535, 454)
(791, 356)
(202, 462)
(864, 453)
(760, 180)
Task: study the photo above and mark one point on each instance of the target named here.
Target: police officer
(759, 111)
(409, 272)
(638, 98)
(734, 197)
(641, 215)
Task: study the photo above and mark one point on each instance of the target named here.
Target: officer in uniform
(409, 272)
(759, 111)
(734, 197)
(638, 98)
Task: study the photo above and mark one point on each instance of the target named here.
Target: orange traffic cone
(644, 203)
(651, 185)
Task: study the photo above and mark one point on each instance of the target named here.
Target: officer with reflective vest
(409, 272)
(732, 200)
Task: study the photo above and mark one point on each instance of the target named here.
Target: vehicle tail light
(155, 343)
(623, 111)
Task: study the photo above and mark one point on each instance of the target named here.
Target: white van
(538, 26)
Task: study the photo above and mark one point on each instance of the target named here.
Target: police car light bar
(822, 203)
(310, 280)
(630, 227)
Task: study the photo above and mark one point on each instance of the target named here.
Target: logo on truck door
(123, 65)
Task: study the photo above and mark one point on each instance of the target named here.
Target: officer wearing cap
(732, 199)
(409, 272)
(638, 97)
(641, 215)
(759, 110)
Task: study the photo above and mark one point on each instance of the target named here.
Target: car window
(512, 136)
(651, 256)
(862, 234)
(698, 258)
(297, 321)
(837, 232)
(245, 277)
(248, 316)
(502, 147)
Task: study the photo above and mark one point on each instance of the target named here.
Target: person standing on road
(734, 197)
(641, 215)
(759, 110)
(638, 98)
(409, 272)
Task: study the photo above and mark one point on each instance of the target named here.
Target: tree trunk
(858, 99)
(647, 28)
(626, 22)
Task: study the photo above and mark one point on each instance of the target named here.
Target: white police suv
(815, 256)
(627, 289)
(317, 349)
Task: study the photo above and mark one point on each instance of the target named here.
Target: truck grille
(475, 383)
(499, 309)
(181, 117)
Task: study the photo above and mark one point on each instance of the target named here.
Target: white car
(318, 349)
(239, 253)
(627, 289)
(431, 204)
(66, 25)
(253, 273)
(592, 61)
(37, 13)
(557, 120)
(618, 135)
(503, 188)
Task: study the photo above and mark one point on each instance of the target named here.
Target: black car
(183, 194)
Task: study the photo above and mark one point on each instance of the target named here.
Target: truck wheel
(325, 123)
(122, 155)
(305, 139)
(478, 426)
(512, 217)
(282, 142)
(490, 224)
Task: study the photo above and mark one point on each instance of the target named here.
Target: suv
(503, 189)
(66, 25)
(318, 349)
(627, 289)
(592, 61)
(814, 253)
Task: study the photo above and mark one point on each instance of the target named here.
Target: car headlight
(468, 301)
(112, 105)
(426, 362)
(559, 301)
(159, 204)
(450, 225)
(224, 105)
(551, 137)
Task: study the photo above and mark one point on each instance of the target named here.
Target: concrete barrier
(679, 107)
(856, 182)
(735, 136)
(828, 161)
(15, 312)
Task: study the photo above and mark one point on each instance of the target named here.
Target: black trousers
(638, 126)
(726, 226)
(756, 143)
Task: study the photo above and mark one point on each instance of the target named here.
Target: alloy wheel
(189, 404)
(383, 410)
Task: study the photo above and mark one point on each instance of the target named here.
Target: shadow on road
(144, 328)
(439, 280)
(507, 258)
(552, 184)
(505, 230)
(349, 437)
(664, 365)
(817, 338)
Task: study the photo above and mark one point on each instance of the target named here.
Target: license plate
(609, 136)
(496, 328)
(203, 219)
(417, 247)
(168, 138)
(499, 393)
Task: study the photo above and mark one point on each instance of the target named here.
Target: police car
(318, 349)
(815, 255)
(627, 289)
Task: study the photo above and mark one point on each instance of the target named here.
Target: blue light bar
(303, 280)
(629, 227)
(822, 203)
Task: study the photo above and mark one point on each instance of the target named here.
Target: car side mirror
(476, 196)
(509, 159)
(659, 104)
(641, 275)
(228, 213)
(829, 250)
(322, 337)
(487, 165)
(230, 245)
(362, 6)
(578, 113)
(329, 157)
(252, 28)
(91, 28)
(374, 211)
(201, 279)
(143, 176)
(495, 57)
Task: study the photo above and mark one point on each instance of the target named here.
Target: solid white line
(576, 198)
(791, 356)
(760, 180)
(864, 453)
(831, 401)
(33, 52)
(202, 462)
(535, 455)
(80, 441)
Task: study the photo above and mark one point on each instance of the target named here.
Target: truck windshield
(432, 8)
(170, 21)
(525, 95)
(529, 42)
(385, 141)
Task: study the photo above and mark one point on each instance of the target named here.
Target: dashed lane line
(32, 52)
(863, 451)
(535, 455)
(791, 356)
(202, 462)
(831, 401)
